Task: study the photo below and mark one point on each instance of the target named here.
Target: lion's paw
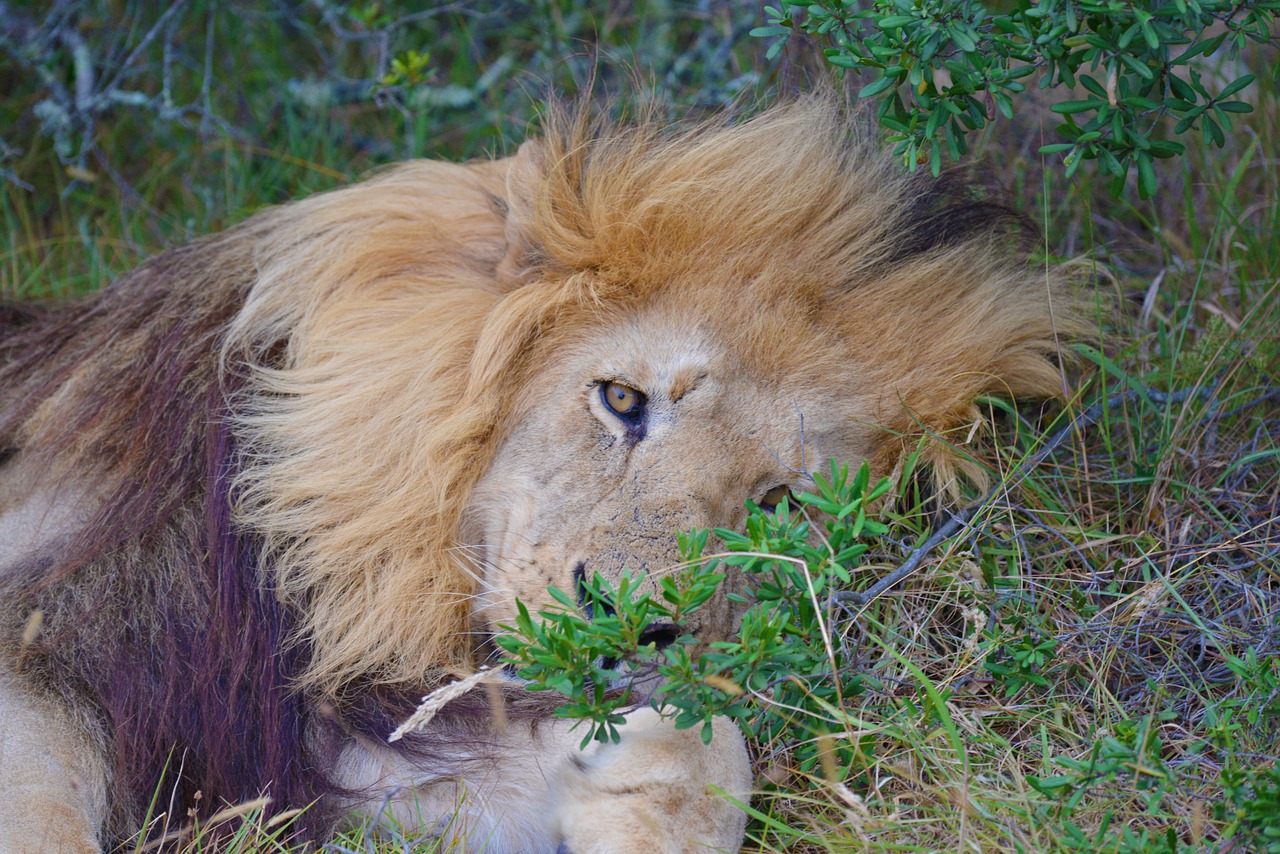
(651, 792)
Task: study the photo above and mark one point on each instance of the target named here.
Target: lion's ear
(524, 181)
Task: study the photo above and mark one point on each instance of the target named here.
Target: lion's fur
(276, 432)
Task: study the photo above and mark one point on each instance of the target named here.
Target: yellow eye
(775, 496)
(622, 399)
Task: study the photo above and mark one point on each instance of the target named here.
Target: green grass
(1089, 667)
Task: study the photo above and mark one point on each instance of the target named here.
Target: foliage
(1130, 758)
(941, 69)
(1133, 750)
(1252, 804)
(359, 84)
(1251, 794)
(782, 664)
(1020, 662)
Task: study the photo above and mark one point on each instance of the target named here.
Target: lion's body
(264, 491)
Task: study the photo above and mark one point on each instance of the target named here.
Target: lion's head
(499, 377)
(665, 417)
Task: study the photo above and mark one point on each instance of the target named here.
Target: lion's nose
(587, 603)
(661, 635)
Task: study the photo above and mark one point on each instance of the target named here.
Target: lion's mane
(275, 431)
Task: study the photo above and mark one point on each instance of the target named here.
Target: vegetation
(784, 656)
(941, 69)
(1086, 664)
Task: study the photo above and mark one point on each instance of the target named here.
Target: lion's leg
(652, 792)
(530, 789)
(489, 797)
(52, 779)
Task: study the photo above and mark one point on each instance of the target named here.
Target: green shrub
(941, 69)
(785, 675)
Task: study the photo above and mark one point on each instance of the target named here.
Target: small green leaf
(843, 60)
(1235, 86)
(1072, 107)
(876, 87)
(1213, 133)
(962, 39)
(1166, 148)
(1181, 89)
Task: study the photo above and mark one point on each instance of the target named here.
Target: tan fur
(657, 789)
(654, 791)
(416, 363)
(53, 783)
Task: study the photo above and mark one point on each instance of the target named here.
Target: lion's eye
(775, 496)
(622, 399)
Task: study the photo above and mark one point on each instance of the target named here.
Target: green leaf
(962, 39)
(1190, 118)
(1003, 104)
(1072, 107)
(1149, 34)
(1205, 46)
(876, 87)
(1235, 86)
(1166, 148)
(1092, 85)
(1181, 89)
(1140, 102)
(843, 60)
(1138, 67)
(563, 598)
(1213, 133)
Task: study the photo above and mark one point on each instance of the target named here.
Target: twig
(960, 521)
(141, 46)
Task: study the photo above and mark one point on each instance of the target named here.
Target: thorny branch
(959, 521)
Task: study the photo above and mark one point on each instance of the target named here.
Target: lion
(265, 491)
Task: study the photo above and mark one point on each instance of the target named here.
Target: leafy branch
(774, 676)
(942, 69)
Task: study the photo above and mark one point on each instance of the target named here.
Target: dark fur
(196, 696)
(203, 685)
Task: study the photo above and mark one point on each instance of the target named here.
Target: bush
(941, 69)
(785, 674)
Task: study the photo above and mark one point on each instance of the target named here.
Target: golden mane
(392, 326)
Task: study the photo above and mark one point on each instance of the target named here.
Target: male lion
(267, 489)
